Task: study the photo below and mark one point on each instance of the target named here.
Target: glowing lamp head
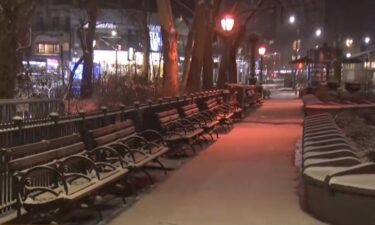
(262, 51)
(227, 23)
(349, 42)
(318, 32)
(292, 19)
(114, 33)
(367, 40)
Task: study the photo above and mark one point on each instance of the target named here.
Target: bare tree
(169, 34)
(145, 39)
(91, 7)
(13, 27)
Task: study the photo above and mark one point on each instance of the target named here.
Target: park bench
(179, 131)
(52, 175)
(222, 112)
(143, 148)
(209, 124)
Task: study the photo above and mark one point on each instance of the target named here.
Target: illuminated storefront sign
(103, 25)
(155, 38)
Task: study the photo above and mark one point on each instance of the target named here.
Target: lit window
(41, 48)
(48, 49)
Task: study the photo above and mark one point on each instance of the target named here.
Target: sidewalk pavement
(246, 177)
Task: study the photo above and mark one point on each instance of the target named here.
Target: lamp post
(114, 35)
(261, 51)
(227, 24)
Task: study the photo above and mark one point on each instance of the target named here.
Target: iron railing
(29, 109)
(22, 131)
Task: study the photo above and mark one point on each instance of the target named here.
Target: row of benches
(57, 174)
(247, 95)
(339, 183)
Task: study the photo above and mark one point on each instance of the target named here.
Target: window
(48, 49)
(67, 23)
(55, 22)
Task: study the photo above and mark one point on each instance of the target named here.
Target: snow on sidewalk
(247, 177)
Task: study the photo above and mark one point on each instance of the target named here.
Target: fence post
(82, 128)
(122, 114)
(55, 118)
(18, 121)
(104, 110)
(138, 116)
(149, 102)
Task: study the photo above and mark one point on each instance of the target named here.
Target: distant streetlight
(261, 51)
(114, 33)
(227, 23)
(318, 32)
(292, 19)
(349, 42)
(367, 40)
(348, 55)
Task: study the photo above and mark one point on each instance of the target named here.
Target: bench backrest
(47, 157)
(49, 151)
(111, 133)
(26, 150)
(189, 110)
(64, 141)
(41, 146)
(211, 104)
(167, 117)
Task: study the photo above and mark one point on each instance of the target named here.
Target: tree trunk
(208, 63)
(188, 54)
(223, 70)
(253, 45)
(233, 54)
(88, 65)
(170, 69)
(169, 35)
(195, 76)
(146, 41)
(13, 26)
(8, 59)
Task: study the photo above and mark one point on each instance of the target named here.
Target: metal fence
(30, 109)
(20, 131)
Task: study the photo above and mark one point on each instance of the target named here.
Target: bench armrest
(175, 126)
(64, 164)
(148, 132)
(106, 150)
(23, 178)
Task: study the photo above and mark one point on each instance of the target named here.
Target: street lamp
(261, 51)
(367, 40)
(114, 33)
(349, 42)
(292, 19)
(318, 32)
(227, 23)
